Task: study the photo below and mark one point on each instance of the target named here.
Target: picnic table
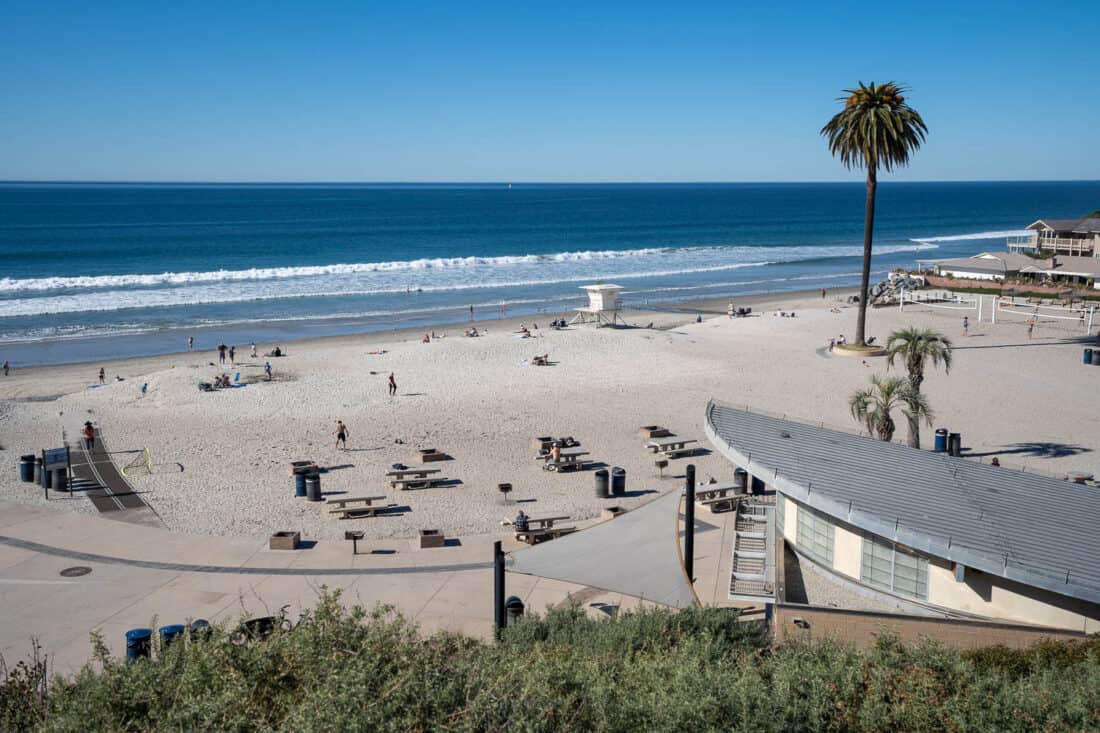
(412, 472)
(568, 459)
(414, 478)
(671, 446)
(539, 529)
(364, 506)
(704, 492)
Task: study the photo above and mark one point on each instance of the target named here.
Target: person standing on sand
(966, 326)
(221, 353)
(471, 312)
(190, 343)
(89, 436)
(253, 350)
(233, 355)
(1030, 326)
(5, 367)
(341, 434)
(102, 376)
(393, 385)
(729, 310)
(267, 370)
(823, 293)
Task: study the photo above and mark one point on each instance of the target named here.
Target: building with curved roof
(947, 533)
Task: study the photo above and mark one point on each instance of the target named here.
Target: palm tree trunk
(868, 236)
(914, 432)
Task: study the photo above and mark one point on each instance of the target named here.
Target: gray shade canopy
(636, 553)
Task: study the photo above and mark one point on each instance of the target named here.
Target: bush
(700, 669)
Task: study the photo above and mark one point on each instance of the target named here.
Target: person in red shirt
(89, 436)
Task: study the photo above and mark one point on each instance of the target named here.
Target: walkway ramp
(106, 487)
(636, 553)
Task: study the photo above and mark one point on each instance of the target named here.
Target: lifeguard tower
(603, 306)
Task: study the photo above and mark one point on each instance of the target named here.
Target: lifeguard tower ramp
(603, 306)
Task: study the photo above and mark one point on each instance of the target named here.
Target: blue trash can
(299, 484)
(170, 633)
(26, 468)
(941, 441)
(1088, 356)
(138, 643)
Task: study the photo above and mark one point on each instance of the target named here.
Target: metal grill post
(689, 524)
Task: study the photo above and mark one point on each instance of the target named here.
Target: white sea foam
(975, 235)
(422, 270)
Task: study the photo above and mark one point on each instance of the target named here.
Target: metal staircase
(753, 575)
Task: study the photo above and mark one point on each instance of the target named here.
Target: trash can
(299, 484)
(60, 479)
(38, 469)
(1088, 356)
(618, 481)
(46, 478)
(941, 441)
(954, 444)
(26, 468)
(513, 610)
(200, 629)
(740, 481)
(170, 633)
(602, 485)
(313, 486)
(758, 487)
(138, 643)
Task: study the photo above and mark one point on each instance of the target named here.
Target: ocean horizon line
(513, 183)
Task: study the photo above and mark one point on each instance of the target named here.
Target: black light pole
(689, 522)
(498, 588)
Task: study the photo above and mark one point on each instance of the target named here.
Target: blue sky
(533, 91)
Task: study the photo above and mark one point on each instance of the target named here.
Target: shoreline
(664, 314)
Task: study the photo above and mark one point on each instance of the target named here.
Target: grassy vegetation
(1017, 291)
(653, 670)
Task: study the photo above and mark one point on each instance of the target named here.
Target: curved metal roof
(1032, 529)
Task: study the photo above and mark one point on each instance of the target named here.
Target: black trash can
(1088, 356)
(757, 486)
(513, 610)
(941, 441)
(740, 481)
(138, 644)
(618, 481)
(954, 444)
(46, 478)
(602, 484)
(200, 629)
(299, 484)
(26, 468)
(313, 486)
(60, 479)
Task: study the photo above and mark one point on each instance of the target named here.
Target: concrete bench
(535, 536)
(417, 483)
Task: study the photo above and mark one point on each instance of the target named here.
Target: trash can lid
(199, 623)
(135, 634)
(513, 602)
(172, 629)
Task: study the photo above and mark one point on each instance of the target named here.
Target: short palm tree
(874, 406)
(916, 347)
(876, 129)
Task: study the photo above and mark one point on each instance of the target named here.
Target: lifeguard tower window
(603, 306)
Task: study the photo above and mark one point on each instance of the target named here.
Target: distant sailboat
(509, 185)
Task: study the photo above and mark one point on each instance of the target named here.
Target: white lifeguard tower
(603, 306)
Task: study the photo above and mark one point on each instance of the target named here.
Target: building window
(891, 568)
(815, 535)
(780, 511)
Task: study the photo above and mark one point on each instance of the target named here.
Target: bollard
(138, 644)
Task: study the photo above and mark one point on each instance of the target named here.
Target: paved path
(106, 487)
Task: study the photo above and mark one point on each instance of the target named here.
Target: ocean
(111, 270)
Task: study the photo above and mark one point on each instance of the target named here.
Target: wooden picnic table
(569, 458)
(539, 529)
(417, 472)
(414, 482)
(544, 522)
(672, 446)
(343, 501)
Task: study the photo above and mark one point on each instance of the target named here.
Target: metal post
(498, 588)
(689, 524)
(1088, 328)
(993, 310)
(981, 300)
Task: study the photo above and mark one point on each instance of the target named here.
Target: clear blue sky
(534, 91)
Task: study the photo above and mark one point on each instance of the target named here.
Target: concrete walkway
(147, 576)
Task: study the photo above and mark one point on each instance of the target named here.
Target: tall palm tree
(916, 347)
(876, 129)
(874, 406)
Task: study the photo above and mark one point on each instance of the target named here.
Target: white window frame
(914, 576)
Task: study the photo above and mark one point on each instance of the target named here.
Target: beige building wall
(790, 519)
(847, 551)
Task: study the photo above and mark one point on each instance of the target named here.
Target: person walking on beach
(393, 385)
(221, 353)
(471, 312)
(729, 310)
(253, 350)
(5, 367)
(190, 343)
(102, 376)
(1030, 326)
(823, 293)
(267, 371)
(232, 355)
(341, 434)
(89, 436)
(966, 326)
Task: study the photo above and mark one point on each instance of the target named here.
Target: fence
(993, 307)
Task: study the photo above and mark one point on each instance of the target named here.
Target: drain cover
(75, 572)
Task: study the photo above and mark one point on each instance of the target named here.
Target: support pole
(981, 300)
(498, 588)
(689, 524)
(993, 310)
(1088, 328)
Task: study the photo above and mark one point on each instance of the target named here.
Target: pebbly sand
(1031, 402)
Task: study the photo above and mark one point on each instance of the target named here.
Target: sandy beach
(480, 401)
